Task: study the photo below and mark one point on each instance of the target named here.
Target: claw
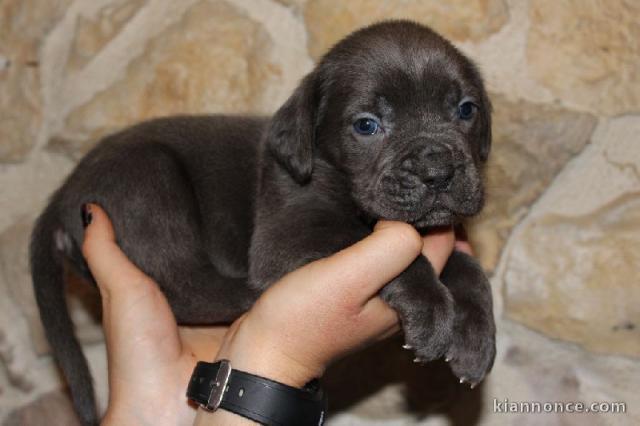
(416, 359)
(447, 359)
(462, 380)
(406, 346)
(472, 385)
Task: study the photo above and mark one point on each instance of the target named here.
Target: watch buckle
(219, 386)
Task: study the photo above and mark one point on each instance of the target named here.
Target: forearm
(246, 351)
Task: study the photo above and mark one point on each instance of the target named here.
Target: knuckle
(408, 236)
(86, 247)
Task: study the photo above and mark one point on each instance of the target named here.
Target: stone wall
(560, 235)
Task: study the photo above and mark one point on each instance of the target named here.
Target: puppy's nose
(439, 179)
(437, 169)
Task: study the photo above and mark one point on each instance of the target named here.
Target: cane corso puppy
(393, 123)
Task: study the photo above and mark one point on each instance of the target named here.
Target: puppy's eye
(366, 126)
(466, 110)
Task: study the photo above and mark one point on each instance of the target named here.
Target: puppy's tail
(48, 244)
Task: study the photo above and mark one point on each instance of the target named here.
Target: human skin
(289, 335)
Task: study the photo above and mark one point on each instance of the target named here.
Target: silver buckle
(219, 386)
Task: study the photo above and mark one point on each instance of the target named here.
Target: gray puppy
(393, 123)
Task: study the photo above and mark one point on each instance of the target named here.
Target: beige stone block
(215, 59)
(330, 20)
(95, 32)
(534, 368)
(581, 280)
(588, 52)
(292, 3)
(572, 268)
(23, 26)
(531, 144)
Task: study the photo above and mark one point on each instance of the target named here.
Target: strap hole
(241, 392)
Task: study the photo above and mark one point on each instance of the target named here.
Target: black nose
(437, 168)
(439, 179)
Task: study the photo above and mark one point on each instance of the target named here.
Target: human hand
(326, 309)
(330, 307)
(150, 359)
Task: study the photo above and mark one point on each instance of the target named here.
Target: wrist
(252, 351)
(232, 396)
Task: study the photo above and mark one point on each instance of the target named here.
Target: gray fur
(217, 208)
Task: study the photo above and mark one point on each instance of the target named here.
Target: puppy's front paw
(473, 346)
(428, 328)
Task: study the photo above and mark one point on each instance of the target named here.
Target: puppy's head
(402, 115)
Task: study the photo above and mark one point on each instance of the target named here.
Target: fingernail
(86, 215)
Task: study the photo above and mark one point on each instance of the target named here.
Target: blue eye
(366, 126)
(466, 110)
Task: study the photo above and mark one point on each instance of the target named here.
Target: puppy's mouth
(434, 217)
(440, 216)
(420, 208)
(404, 196)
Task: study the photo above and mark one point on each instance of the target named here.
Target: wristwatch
(217, 385)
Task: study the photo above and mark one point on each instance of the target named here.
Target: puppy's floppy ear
(292, 131)
(484, 134)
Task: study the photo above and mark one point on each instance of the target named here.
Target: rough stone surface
(531, 144)
(26, 186)
(180, 72)
(575, 277)
(23, 24)
(95, 32)
(294, 3)
(572, 271)
(53, 408)
(560, 232)
(595, 59)
(330, 20)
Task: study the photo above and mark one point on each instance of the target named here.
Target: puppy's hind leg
(204, 296)
(159, 224)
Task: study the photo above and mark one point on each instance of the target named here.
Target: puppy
(393, 123)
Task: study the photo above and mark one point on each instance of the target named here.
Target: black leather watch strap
(256, 398)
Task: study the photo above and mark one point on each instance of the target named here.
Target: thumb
(358, 272)
(109, 265)
(437, 247)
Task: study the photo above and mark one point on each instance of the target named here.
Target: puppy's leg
(166, 238)
(207, 297)
(425, 308)
(473, 347)
(156, 215)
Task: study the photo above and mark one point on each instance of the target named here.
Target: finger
(108, 264)
(437, 247)
(464, 247)
(377, 316)
(356, 273)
